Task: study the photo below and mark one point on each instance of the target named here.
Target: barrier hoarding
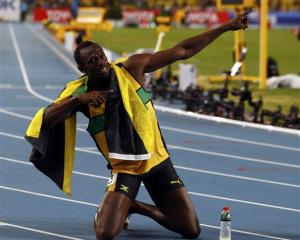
(10, 10)
(139, 17)
(59, 15)
(199, 17)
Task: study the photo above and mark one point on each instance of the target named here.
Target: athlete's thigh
(171, 197)
(112, 213)
(120, 191)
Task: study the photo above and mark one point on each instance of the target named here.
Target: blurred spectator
(24, 9)
(272, 67)
(74, 8)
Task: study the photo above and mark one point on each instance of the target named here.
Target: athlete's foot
(126, 223)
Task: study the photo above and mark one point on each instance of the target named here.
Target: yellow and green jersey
(124, 128)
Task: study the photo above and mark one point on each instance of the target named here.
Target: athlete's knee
(105, 234)
(191, 232)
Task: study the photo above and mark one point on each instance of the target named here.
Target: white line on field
(39, 231)
(192, 193)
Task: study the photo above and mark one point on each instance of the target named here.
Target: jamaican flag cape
(127, 125)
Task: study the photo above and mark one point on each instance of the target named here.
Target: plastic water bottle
(225, 228)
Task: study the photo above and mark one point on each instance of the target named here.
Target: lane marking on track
(22, 67)
(183, 168)
(183, 148)
(192, 193)
(219, 120)
(96, 205)
(51, 46)
(80, 149)
(238, 140)
(82, 126)
(20, 108)
(233, 156)
(16, 87)
(39, 231)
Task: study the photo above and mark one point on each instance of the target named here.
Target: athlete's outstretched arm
(143, 63)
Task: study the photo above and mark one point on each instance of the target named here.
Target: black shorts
(158, 181)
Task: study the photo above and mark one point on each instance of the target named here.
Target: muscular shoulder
(136, 64)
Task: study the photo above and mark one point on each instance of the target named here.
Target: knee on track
(191, 232)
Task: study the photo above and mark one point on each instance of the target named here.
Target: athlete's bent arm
(61, 111)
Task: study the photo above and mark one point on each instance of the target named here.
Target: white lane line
(237, 176)
(184, 149)
(18, 115)
(233, 156)
(7, 86)
(243, 124)
(47, 196)
(39, 231)
(94, 150)
(239, 140)
(20, 108)
(183, 168)
(192, 193)
(180, 148)
(12, 135)
(245, 202)
(75, 172)
(246, 232)
(22, 66)
(96, 205)
(66, 60)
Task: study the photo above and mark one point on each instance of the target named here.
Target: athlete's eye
(92, 60)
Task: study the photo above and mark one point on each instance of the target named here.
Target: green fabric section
(81, 90)
(143, 95)
(96, 124)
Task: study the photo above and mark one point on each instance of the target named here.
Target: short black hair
(80, 46)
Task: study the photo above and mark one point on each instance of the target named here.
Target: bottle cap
(226, 209)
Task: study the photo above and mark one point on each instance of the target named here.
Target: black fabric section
(120, 134)
(128, 182)
(48, 153)
(84, 109)
(40, 143)
(166, 163)
(160, 182)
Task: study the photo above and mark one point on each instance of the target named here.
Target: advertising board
(10, 10)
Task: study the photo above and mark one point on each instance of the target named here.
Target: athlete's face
(94, 61)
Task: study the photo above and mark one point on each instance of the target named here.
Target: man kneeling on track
(123, 124)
